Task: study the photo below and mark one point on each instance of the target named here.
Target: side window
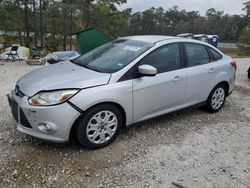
(196, 54)
(215, 54)
(166, 58)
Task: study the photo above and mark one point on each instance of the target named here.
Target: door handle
(177, 78)
(211, 70)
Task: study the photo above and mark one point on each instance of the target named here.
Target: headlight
(46, 98)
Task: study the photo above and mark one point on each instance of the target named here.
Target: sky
(228, 6)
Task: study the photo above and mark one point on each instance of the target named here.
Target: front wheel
(216, 99)
(100, 126)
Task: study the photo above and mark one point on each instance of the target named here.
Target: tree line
(50, 23)
(175, 21)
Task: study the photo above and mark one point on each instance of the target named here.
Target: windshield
(113, 56)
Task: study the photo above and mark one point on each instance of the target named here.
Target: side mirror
(147, 70)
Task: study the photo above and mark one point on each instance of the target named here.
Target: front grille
(18, 92)
(23, 120)
(14, 108)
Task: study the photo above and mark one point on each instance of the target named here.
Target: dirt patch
(244, 89)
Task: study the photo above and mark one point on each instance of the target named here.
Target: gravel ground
(191, 148)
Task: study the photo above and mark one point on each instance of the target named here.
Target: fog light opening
(46, 128)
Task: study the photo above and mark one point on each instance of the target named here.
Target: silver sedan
(125, 81)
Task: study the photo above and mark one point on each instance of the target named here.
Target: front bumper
(29, 118)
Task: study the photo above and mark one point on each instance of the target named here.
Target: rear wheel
(100, 126)
(216, 98)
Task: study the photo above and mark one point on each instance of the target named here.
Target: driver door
(153, 96)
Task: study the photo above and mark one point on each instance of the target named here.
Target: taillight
(234, 64)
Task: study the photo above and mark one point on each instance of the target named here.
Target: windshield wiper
(89, 67)
(86, 66)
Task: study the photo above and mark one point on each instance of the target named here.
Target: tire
(100, 126)
(216, 98)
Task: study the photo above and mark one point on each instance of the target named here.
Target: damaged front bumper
(51, 123)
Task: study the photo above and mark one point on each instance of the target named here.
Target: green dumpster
(90, 39)
(37, 52)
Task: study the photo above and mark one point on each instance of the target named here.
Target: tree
(175, 21)
(34, 22)
(105, 15)
(51, 22)
(19, 23)
(11, 23)
(244, 39)
(247, 8)
(244, 42)
(25, 3)
(41, 21)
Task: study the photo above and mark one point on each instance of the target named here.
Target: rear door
(153, 96)
(201, 69)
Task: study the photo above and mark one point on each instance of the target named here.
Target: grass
(235, 53)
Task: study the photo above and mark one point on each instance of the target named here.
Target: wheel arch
(225, 83)
(76, 122)
(209, 104)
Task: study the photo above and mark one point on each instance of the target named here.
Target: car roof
(150, 38)
(160, 38)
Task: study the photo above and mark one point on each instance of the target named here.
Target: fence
(227, 45)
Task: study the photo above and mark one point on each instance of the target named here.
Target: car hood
(64, 75)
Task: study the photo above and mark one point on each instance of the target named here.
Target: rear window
(196, 54)
(215, 55)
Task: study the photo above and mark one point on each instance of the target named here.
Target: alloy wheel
(101, 127)
(218, 98)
